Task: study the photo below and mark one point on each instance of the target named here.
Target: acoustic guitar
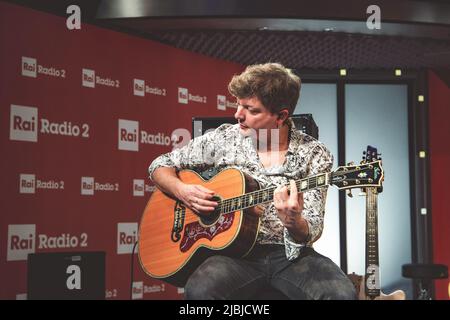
(368, 286)
(174, 241)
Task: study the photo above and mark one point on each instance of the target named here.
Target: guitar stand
(424, 274)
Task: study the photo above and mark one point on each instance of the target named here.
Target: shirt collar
(294, 136)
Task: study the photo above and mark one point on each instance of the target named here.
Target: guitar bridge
(179, 213)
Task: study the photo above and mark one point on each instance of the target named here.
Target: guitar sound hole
(213, 216)
(210, 218)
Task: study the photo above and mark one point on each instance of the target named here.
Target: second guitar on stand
(368, 286)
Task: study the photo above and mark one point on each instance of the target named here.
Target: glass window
(320, 100)
(377, 114)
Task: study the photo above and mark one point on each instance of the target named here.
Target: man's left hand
(289, 206)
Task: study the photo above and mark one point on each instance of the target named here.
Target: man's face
(251, 114)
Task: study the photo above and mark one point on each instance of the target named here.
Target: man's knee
(195, 290)
(202, 284)
(344, 291)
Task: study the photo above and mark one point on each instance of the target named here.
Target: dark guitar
(173, 240)
(368, 286)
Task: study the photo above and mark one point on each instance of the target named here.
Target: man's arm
(197, 155)
(195, 197)
(315, 200)
(302, 215)
(304, 224)
(289, 210)
(166, 179)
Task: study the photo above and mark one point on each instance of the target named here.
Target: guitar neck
(372, 259)
(255, 198)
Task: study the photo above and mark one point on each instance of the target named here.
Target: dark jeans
(311, 276)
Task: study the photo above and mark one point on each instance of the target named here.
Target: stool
(424, 273)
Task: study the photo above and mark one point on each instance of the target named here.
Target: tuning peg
(351, 163)
(349, 193)
(364, 152)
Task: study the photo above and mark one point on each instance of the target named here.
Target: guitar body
(174, 241)
(358, 282)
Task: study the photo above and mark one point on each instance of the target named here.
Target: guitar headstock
(371, 154)
(368, 174)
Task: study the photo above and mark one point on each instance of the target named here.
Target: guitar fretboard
(372, 261)
(254, 198)
(372, 227)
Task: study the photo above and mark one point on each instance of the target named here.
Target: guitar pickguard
(194, 231)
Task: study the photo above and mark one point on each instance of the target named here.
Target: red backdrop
(439, 104)
(76, 143)
(83, 113)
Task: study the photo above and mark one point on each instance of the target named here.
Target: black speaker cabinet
(66, 276)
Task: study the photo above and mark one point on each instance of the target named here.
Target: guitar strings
(372, 233)
(264, 195)
(260, 196)
(232, 204)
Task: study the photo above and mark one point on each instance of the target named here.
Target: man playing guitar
(265, 146)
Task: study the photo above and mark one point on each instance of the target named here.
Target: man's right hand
(197, 198)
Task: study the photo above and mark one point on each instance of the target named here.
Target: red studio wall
(439, 113)
(83, 113)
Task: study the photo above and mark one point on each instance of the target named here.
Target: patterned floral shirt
(225, 148)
